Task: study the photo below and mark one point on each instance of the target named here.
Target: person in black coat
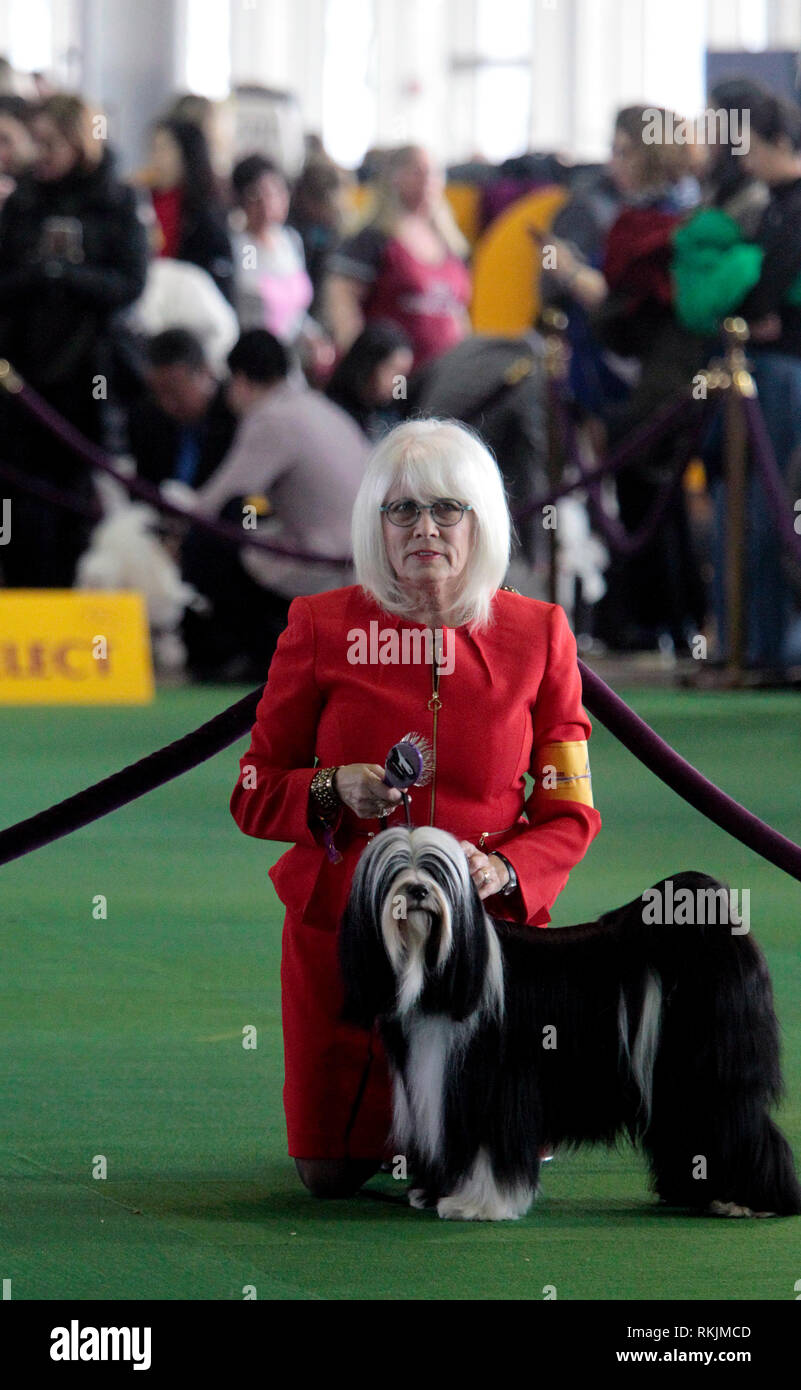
(73, 255)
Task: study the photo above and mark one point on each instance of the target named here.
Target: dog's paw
(457, 1208)
(733, 1209)
(449, 1209)
(418, 1198)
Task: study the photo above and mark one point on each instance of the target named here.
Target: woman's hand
(581, 281)
(565, 264)
(361, 787)
(488, 872)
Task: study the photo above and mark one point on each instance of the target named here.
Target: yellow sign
(74, 647)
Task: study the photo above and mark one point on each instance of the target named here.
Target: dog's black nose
(416, 891)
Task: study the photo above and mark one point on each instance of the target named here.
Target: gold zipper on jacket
(435, 705)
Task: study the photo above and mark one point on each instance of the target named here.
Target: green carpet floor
(122, 1041)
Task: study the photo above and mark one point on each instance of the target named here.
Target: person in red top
(190, 214)
(429, 641)
(406, 265)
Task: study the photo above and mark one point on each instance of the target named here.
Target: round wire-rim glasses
(445, 511)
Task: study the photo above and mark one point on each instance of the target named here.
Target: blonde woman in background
(406, 264)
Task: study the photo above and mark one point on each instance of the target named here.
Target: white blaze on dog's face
(416, 889)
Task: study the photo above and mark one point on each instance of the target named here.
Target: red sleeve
(270, 799)
(563, 819)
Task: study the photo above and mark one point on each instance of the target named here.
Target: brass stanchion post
(557, 360)
(10, 381)
(739, 385)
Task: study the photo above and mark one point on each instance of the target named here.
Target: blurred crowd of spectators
(244, 340)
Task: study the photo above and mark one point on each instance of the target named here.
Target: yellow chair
(465, 204)
(507, 264)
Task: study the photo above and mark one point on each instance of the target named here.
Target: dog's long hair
(502, 1040)
(433, 942)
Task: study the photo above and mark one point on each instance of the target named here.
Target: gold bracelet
(324, 794)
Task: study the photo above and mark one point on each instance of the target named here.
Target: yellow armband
(562, 772)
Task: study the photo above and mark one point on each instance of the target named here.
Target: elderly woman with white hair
(431, 641)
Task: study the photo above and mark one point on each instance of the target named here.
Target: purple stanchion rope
(131, 782)
(622, 455)
(96, 457)
(219, 733)
(616, 536)
(56, 496)
(686, 780)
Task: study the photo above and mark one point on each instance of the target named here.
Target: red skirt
(337, 1090)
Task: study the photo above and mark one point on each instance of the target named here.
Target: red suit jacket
(510, 705)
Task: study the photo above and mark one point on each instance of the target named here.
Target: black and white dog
(502, 1039)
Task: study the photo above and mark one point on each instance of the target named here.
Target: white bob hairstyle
(431, 459)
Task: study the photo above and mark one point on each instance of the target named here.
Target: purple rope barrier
(130, 782)
(686, 780)
(616, 535)
(56, 496)
(96, 457)
(185, 753)
(589, 479)
(775, 490)
(638, 440)
(624, 542)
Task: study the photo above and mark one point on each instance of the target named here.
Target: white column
(784, 24)
(738, 24)
(66, 42)
(305, 59)
(592, 57)
(261, 38)
(459, 134)
(630, 36)
(594, 96)
(346, 104)
(205, 47)
(553, 76)
(391, 36)
(423, 76)
(674, 49)
(5, 31)
(28, 38)
(130, 65)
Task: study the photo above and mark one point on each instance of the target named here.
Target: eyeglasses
(445, 512)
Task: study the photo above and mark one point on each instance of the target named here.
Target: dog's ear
(457, 988)
(366, 972)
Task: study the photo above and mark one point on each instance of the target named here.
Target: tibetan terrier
(503, 1039)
